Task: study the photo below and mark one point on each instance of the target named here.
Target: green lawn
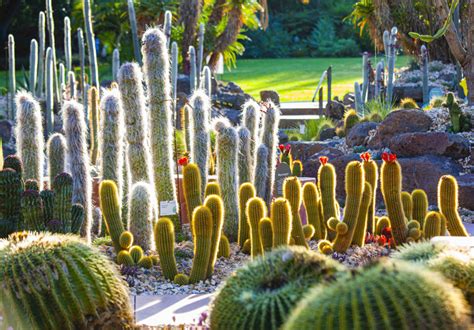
(295, 79)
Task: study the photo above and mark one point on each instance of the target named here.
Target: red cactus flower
(281, 147)
(387, 231)
(183, 161)
(323, 160)
(389, 157)
(366, 156)
(382, 240)
(288, 148)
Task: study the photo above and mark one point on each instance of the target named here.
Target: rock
(231, 114)
(232, 87)
(311, 165)
(335, 110)
(413, 92)
(327, 133)
(349, 99)
(6, 130)
(430, 143)
(183, 84)
(398, 122)
(303, 150)
(270, 95)
(466, 191)
(358, 134)
(231, 100)
(282, 137)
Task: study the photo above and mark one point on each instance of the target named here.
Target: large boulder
(311, 165)
(303, 150)
(398, 122)
(358, 135)
(430, 143)
(466, 191)
(327, 133)
(335, 110)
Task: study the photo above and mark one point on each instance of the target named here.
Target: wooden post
(329, 83)
(321, 110)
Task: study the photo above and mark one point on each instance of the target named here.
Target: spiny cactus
(71, 93)
(33, 66)
(62, 205)
(94, 109)
(47, 196)
(126, 240)
(359, 103)
(94, 68)
(11, 188)
(312, 205)
(244, 155)
(133, 26)
(81, 297)
(110, 206)
(167, 25)
(270, 139)
(420, 205)
(266, 234)
(292, 192)
(202, 235)
(424, 64)
(186, 113)
(224, 247)
(41, 54)
(255, 211)
(75, 131)
(327, 189)
(29, 137)
(62, 81)
(14, 162)
(31, 184)
(350, 120)
(164, 240)
(285, 155)
(408, 103)
(297, 168)
(281, 222)
(67, 44)
(193, 79)
(124, 258)
(455, 112)
(145, 262)
(379, 80)
(409, 297)
(407, 205)
(246, 192)
(391, 51)
(212, 188)
(115, 64)
(11, 75)
(261, 172)
(200, 53)
(181, 279)
(361, 226)
(192, 187)
(366, 75)
(215, 205)
(207, 81)
(448, 205)
(249, 297)
(174, 77)
(82, 63)
(372, 177)
(56, 150)
(136, 253)
(381, 224)
(49, 91)
(251, 120)
(32, 211)
(432, 225)
(52, 46)
(140, 217)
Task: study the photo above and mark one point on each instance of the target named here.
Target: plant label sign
(168, 208)
(282, 172)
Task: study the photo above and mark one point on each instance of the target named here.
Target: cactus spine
(292, 192)
(215, 205)
(33, 66)
(110, 206)
(67, 44)
(407, 205)
(12, 75)
(94, 69)
(212, 188)
(62, 206)
(164, 240)
(140, 217)
(192, 187)
(424, 62)
(312, 205)
(372, 177)
(29, 137)
(94, 123)
(391, 63)
(52, 45)
(281, 222)
(255, 211)
(270, 139)
(202, 235)
(432, 225)
(206, 83)
(56, 150)
(251, 120)
(200, 54)
(327, 188)
(41, 54)
(361, 225)
(244, 156)
(420, 205)
(260, 177)
(115, 64)
(49, 91)
(75, 131)
(448, 205)
(133, 24)
(193, 69)
(82, 62)
(365, 74)
(246, 192)
(265, 232)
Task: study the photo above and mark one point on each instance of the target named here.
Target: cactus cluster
(459, 121)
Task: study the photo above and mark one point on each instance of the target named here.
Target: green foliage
(408, 103)
(314, 127)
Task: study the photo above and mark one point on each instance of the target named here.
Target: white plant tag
(168, 208)
(302, 128)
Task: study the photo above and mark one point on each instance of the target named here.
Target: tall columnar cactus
(281, 222)
(71, 86)
(420, 205)
(140, 216)
(111, 138)
(71, 286)
(432, 225)
(193, 69)
(62, 206)
(215, 205)
(251, 120)
(200, 53)
(94, 68)
(246, 192)
(52, 45)
(270, 139)
(265, 232)
(12, 75)
(200, 142)
(391, 63)
(192, 187)
(227, 176)
(78, 159)
(14, 162)
(212, 188)
(379, 80)
(202, 235)
(261, 172)
(255, 211)
(164, 240)
(56, 150)
(32, 211)
(312, 205)
(115, 64)
(206, 82)
(292, 192)
(407, 205)
(67, 44)
(33, 66)
(455, 112)
(62, 82)
(448, 205)
(365, 75)
(11, 188)
(157, 76)
(186, 113)
(41, 54)
(94, 123)
(327, 189)
(244, 156)
(110, 206)
(361, 226)
(167, 26)
(29, 137)
(82, 63)
(372, 177)
(359, 103)
(424, 63)
(174, 76)
(49, 91)
(133, 24)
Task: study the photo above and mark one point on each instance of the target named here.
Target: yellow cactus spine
(202, 234)
(246, 192)
(110, 206)
(308, 231)
(372, 177)
(362, 219)
(327, 189)
(448, 205)
(265, 232)
(407, 205)
(420, 205)
(312, 205)
(224, 247)
(164, 239)
(432, 225)
(292, 192)
(192, 187)
(212, 188)
(281, 222)
(215, 205)
(255, 211)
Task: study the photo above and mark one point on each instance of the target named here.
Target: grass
(295, 79)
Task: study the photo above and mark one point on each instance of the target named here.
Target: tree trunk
(189, 11)
(469, 75)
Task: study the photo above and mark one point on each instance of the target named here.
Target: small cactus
(62, 206)
(420, 205)
(270, 139)
(246, 192)
(312, 205)
(140, 217)
(308, 231)
(251, 120)
(372, 177)
(281, 222)
(212, 188)
(110, 206)
(136, 253)
(56, 150)
(124, 258)
(181, 279)
(244, 156)
(265, 232)
(192, 187)
(292, 192)
(202, 235)
(33, 66)
(215, 205)
(145, 262)
(327, 189)
(164, 240)
(256, 210)
(224, 247)
(93, 107)
(260, 178)
(126, 240)
(432, 225)
(407, 205)
(448, 205)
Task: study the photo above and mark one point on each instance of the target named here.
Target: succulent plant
(255, 211)
(110, 206)
(448, 205)
(56, 150)
(202, 235)
(164, 240)
(140, 217)
(246, 192)
(292, 192)
(215, 205)
(281, 222)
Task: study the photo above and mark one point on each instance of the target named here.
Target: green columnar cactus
(256, 210)
(32, 211)
(75, 131)
(285, 155)
(265, 232)
(372, 177)
(110, 207)
(140, 217)
(359, 104)
(227, 176)
(297, 168)
(448, 205)
(164, 240)
(212, 188)
(145, 262)
(186, 113)
(200, 141)
(215, 205)
(124, 258)
(360, 230)
(115, 64)
(29, 137)
(260, 177)
(126, 240)
(193, 79)
(251, 120)
(111, 138)
(262, 294)
(424, 64)
(420, 205)
(12, 75)
(292, 192)
(70, 287)
(192, 187)
(224, 247)
(52, 45)
(207, 81)
(399, 295)
(312, 205)
(455, 112)
(392, 40)
(32, 184)
(47, 196)
(41, 54)
(77, 218)
(270, 139)
(327, 189)
(11, 188)
(14, 162)
(407, 205)
(49, 91)
(167, 26)
(93, 107)
(56, 151)
(33, 67)
(200, 53)
(133, 25)
(157, 76)
(94, 68)
(281, 222)
(202, 236)
(366, 76)
(67, 44)
(82, 62)
(244, 156)
(62, 205)
(432, 225)
(246, 192)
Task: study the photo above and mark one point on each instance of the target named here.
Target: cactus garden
(130, 168)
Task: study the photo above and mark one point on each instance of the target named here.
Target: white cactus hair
(140, 216)
(244, 156)
(251, 115)
(78, 160)
(56, 149)
(220, 123)
(260, 176)
(29, 136)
